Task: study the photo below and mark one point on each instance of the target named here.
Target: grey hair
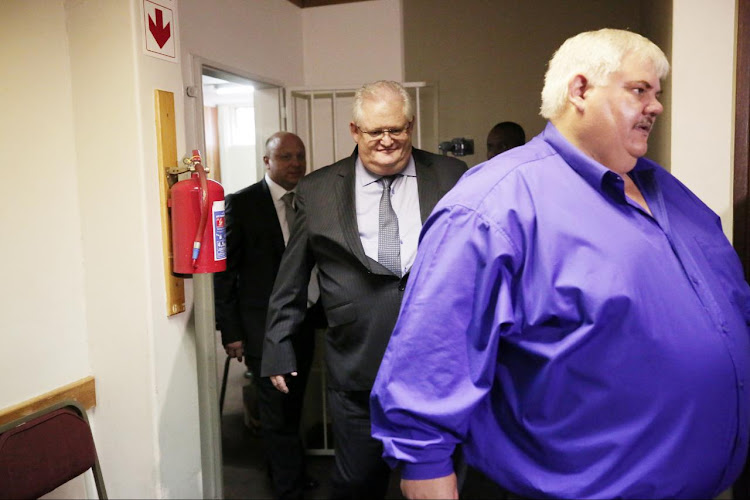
(596, 55)
(380, 90)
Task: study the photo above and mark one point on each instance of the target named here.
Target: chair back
(46, 449)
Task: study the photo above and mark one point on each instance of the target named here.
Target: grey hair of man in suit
(381, 126)
(373, 90)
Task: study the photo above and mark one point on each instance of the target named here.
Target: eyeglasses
(393, 133)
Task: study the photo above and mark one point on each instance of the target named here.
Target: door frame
(195, 91)
(741, 195)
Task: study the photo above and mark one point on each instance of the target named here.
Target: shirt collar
(276, 191)
(365, 177)
(593, 172)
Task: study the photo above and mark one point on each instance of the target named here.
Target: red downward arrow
(161, 33)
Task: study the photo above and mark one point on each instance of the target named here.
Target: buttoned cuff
(429, 470)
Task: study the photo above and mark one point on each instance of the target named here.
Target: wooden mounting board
(166, 138)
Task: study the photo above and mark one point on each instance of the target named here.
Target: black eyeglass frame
(393, 133)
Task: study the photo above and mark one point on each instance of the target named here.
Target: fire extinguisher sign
(220, 233)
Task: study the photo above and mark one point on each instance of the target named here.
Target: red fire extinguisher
(198, 224)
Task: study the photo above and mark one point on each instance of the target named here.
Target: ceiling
(318, 3)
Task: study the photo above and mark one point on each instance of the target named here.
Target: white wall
(703, 48)
(260, 39)
(85, 294)
(346, 46)
(352, 44)
(42, 299)
(143, 361)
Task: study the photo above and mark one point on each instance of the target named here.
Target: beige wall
(703, 101)
(258, 39)
(489, 58)
(85, 297)
(656, 16)
(352, 44)
(42, 304)
(146, 414)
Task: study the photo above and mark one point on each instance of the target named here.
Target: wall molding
(83, 391)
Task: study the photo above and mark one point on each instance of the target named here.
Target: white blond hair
(380, 90)
(595, 55)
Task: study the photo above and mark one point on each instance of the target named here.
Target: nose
(654, 108)
(386, 140)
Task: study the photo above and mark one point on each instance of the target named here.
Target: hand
(440, 487)
(235, 350)
(279, 382)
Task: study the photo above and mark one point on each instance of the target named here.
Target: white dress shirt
(405, 201)
(277, 192)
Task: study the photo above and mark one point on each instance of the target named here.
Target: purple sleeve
(440, 361)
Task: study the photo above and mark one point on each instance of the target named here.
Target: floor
(244, 468)
(243, 463)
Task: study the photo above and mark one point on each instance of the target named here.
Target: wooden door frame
(741, 230)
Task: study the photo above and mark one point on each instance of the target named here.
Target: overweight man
(575, 317)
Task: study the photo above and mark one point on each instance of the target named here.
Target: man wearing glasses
(359, 221)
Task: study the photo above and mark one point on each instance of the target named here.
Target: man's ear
(577, 88)
(353, 130)
(265, 162)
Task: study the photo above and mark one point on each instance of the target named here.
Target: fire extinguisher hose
(203, 206)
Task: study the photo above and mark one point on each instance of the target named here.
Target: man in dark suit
(358, 220)
(258, 221)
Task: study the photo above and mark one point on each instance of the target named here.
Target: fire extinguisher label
(220, 233)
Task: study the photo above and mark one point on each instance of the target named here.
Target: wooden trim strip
(166, 145)
(83, 391)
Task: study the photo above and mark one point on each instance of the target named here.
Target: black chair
(46, 449)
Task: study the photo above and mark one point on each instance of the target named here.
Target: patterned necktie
(289, 210)
(389, 247)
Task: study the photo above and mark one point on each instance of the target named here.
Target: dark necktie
(289, 210)
(389, 247)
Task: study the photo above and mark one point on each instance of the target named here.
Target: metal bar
(283, 111)
(224, 385)
(321, 453)
(208, 394)
(323, 386)
(419, 121)
(311, 128)
(333, 124)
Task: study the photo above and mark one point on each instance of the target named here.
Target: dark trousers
(741, 487)
(359, 470)
(280, 416)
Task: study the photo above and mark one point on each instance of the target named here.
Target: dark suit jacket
(361, 298)
(254, 248)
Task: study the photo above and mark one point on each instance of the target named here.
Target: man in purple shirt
(575, 317)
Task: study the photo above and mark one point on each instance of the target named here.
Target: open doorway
(238, 114)
(234, 113)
